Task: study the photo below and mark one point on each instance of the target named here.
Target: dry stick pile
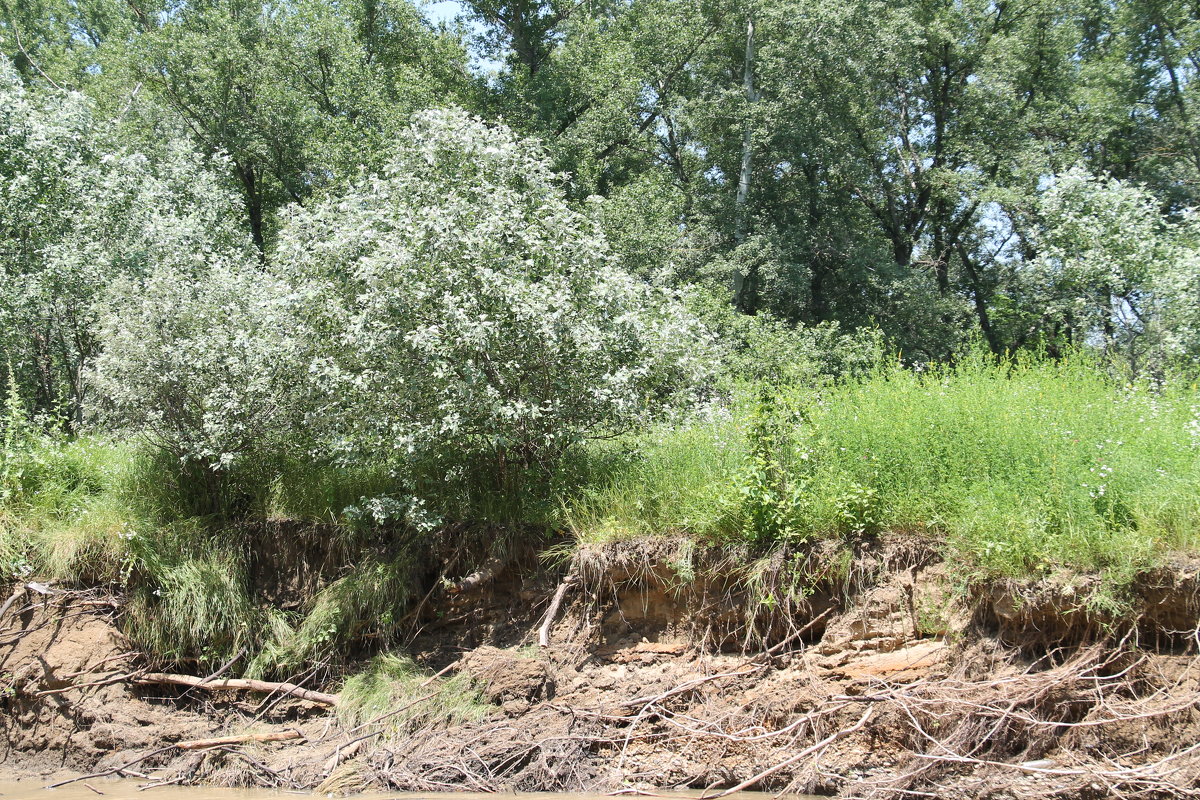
(1039, 728)
(1074, 712)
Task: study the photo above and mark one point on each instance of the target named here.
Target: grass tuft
(191, 603)
(392, 682)
(367, 603)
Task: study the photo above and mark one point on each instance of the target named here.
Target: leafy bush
(461, 320)
(47, 149)
(762, 348)
(78, 212)
(1124, 273)
(203, 366)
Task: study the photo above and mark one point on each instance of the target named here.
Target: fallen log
(486, 574)
(277, 736)
(239, 684)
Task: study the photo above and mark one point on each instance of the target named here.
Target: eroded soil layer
(876, 676)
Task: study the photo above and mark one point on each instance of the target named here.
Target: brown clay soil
(881, 678)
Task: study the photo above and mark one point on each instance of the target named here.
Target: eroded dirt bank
(869, 675)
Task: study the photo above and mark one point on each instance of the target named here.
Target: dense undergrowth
(1015, 469)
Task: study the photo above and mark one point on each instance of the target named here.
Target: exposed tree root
(481, 577)
(617, 701)
(552, 612)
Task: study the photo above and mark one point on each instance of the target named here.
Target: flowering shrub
(77, 213)
(202, 364)
(1114, 265)
(459, 316)
(46, 145)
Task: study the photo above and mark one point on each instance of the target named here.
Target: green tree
(76, 213)
(296, 94)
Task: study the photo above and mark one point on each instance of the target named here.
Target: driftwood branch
(439, 673)
(393, 712)
(239, 684)
(73, 686)
(803, 754)
(221, 741)
(114, 770)
(16, 595)
(552, 612)
(346, 751)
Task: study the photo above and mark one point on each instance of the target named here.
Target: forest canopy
(1020, 173)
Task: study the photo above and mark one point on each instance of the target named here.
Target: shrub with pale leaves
(460, 316)
(202, 363)
(78, 213)
(1119, 271)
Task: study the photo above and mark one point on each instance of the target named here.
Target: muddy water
(128, 790)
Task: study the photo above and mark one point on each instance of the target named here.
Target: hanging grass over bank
(395, 695)
(1019, 468)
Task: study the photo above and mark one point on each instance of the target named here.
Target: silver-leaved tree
(1115, 271)
(452, 321)
(79, 213)
(461, 320)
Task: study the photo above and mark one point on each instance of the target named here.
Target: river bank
(872, 672)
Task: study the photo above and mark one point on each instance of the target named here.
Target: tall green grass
(670, 481)
(1022, 467)
(66, 514)
(1017, 467)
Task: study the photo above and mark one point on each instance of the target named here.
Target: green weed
(1017, 467)
(395, 686)
(667, 482)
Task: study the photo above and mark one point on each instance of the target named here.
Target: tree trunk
(740, 287)
(980, 301)
(254, 206)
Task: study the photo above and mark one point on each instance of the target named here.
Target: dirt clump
(508, 679)
(67, 701)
